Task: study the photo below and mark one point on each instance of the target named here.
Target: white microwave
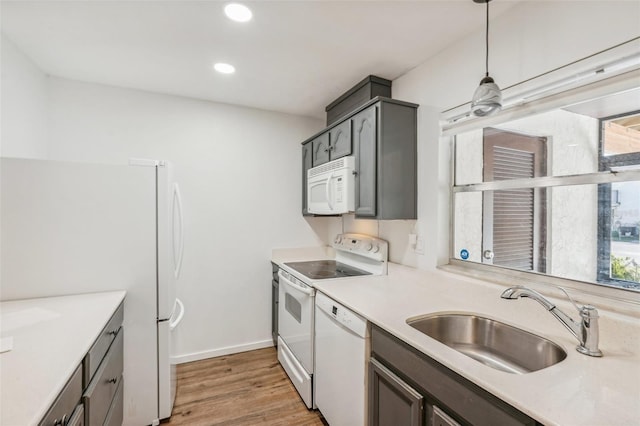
(331, 187)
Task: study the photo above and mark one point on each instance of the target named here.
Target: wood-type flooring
(249, 388)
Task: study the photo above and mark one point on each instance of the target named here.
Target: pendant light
(487, 98)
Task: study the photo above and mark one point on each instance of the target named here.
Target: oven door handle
(306, 290)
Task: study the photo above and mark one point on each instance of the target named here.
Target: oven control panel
(362, 245)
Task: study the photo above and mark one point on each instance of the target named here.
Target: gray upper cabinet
(320, 149)
(307, 163)
(332, 144)
(340, 140)
(364, 141)
(382, 137)
(385, 141)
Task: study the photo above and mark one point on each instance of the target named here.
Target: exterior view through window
(619, 212)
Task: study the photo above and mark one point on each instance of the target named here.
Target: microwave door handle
(329, 191)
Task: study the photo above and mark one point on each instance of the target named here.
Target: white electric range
(355, 255)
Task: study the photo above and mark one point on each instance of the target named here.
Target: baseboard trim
(197, 356)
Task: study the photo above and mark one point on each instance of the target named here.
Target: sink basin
(491, 342)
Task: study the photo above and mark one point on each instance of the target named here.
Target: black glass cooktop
(322, 269)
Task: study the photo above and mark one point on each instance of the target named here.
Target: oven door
(295, 318)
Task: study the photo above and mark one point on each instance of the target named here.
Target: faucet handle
(578, 308)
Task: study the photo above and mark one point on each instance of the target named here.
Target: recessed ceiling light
(224, 68)
(238, 12)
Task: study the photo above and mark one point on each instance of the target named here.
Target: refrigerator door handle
(177, 251)
(174, 322)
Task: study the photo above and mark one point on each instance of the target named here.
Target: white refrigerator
(68, 228)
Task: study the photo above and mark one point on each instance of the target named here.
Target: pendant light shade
(487, 98)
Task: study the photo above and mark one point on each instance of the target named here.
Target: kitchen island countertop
(579, 390)
(50, 336)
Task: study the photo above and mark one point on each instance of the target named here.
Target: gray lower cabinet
(392, 401)
(400, 376)
(78, 417)
(274, 303)
(99, 395)
(91, 396)
(65, 406)
(116, 413)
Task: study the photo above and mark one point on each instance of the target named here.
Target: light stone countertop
(50, 339)
(580, 390)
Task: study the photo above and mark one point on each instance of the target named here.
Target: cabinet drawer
(115, 415)
(103, 386)
(78, 417)
(101, 345)
(63, 407)
(470, 403)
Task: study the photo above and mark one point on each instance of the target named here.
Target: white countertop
(50, 338)
(580, 390)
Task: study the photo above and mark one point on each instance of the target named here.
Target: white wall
(529, 39)
(23, 104)
(239, 171)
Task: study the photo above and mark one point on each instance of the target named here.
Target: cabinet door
(392, 402)
(340, 140)
(77, 419)
(365, 152)
(307, 163)
(320, 149)
(66, 402)
(274, 312)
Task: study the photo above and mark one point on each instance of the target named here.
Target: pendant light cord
(487, 42)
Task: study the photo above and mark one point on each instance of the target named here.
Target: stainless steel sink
(491, 342)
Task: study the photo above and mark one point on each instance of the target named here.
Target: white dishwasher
(342, 345)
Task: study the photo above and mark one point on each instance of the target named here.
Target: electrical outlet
(419, 245)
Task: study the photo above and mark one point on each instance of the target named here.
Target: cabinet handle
(114, 332)
(60, 422)
(114, 380)
(355, 173)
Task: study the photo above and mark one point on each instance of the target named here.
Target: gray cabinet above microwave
(382, 137)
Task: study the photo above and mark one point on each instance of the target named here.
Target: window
(554, 192)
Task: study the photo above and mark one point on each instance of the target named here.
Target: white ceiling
(294, 56)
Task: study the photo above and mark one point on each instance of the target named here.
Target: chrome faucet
(586, 331)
